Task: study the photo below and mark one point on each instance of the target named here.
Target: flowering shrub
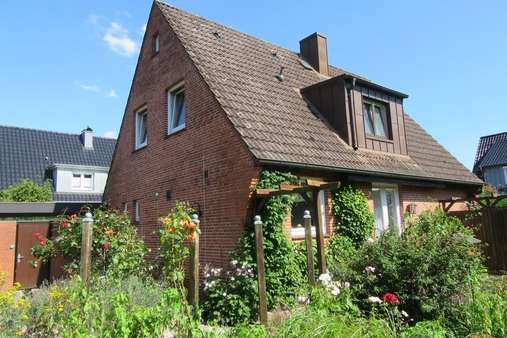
(176, 230)
(230, 296)
(116, 248)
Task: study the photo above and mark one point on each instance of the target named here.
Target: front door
(26, 274)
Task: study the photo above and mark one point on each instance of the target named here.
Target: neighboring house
(210, 108)
(491, 161)
(77, 165)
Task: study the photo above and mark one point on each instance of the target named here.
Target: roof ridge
(496, 134)
(52, 132)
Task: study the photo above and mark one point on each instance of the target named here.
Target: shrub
(352, 214)
(340, 252)
(177, 228)
(116, 249)
(107, 308)
(428, 267)
(27, 191)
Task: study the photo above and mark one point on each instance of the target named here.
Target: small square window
(141, 129)
(76, 181)
(82, 181)
(375, 119)
(177, 109)
(137, 212)
(156, 43)
(87, 181)
(297, 211)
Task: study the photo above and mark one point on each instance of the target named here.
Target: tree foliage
(27, 191)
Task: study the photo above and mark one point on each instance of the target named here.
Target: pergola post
(194, 266)
(319, 234)
(307, 219)
(86, 247)
(261, 273)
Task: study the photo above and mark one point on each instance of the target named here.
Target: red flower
(42, 240)
(391, 298)
(65, 225)
(105, 246)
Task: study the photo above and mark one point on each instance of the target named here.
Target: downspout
(352, 111)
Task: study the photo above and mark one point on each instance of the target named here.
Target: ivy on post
(261, 274)
(307, 219)
(194, 265)
(86, 247)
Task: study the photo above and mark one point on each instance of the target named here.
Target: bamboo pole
(261, 274)
(86, 247)
(307, 219)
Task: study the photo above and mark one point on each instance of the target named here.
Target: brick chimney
(313, 49)
(87, 138)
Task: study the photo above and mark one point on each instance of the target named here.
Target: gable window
(156, 43)
(176, 108)
(386, 203)
(82, 181)
(137, 212)
(297, 212)
(375, 118)
(141, 128)
(125, 207)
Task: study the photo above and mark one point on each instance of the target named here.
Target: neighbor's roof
(485, 143)
(495, 156)
(274, 120)
(28, 153)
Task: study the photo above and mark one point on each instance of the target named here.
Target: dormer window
(375, 119)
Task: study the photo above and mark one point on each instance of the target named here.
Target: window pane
(179, 110)
(298, 211)
(380, 121)
(137, 211)
(87, 182)
(76, 180)
(157, 43)
(143, 132)
(368, 122)
(379, 219)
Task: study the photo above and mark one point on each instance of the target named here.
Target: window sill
(175, 131)
(377, 138)
(139, 148)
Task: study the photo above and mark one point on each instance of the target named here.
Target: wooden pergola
(482, 201)
(308, 190)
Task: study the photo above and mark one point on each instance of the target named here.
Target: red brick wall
(176, 163)
(7, 254)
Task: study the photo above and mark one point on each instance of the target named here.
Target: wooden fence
(491, 229)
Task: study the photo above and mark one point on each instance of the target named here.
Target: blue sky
(68, 64)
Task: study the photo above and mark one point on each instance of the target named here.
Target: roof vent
(218, 35)
(87, 138)
(279, 76)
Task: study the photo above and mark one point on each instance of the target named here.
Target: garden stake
(309, 247)
(194, 259)
(261, 275)
(86, 246)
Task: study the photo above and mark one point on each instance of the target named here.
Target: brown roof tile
(274, 120)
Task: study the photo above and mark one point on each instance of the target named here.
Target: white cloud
(88, 87)
(112, 93)
(110, 134)
(118, 39)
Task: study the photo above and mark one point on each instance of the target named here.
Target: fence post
(86, 247)
(319, 234)
(194, 265)
(307, 220)
(261, 274)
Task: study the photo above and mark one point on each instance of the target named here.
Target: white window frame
(137, 211)
(171, 96)
(125, 207)
(139, 117)
(300, 231)
(81, 182)
(385, 213)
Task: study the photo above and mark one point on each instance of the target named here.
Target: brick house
(491, 161)
(210, 108)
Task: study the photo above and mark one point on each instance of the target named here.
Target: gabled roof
(28, 153)
(495, 156)
(274, 120)
(485, 144)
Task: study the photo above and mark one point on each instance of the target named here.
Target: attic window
(176, 108)
(375, 119)
(156, 43)
(141, 128)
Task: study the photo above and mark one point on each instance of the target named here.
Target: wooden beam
(309, 247)
(264, 192)
(315, 182)
(319, 234)
(86, 247)
(261, 273)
